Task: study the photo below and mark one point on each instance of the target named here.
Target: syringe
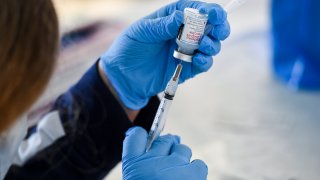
(163, 109)
(233, 5)
(160, 118)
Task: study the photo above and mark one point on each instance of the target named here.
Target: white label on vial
(194, 26)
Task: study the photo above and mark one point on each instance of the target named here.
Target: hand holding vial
(193, 29)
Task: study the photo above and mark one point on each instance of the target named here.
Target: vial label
(194, 26)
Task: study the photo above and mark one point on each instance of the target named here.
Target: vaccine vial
(190, 33)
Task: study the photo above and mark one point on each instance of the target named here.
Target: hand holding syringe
(160, 118)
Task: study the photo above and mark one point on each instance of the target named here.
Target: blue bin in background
(296, 43)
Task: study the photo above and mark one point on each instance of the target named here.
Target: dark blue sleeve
(95, 126)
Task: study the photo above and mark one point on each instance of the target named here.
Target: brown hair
(28, 44)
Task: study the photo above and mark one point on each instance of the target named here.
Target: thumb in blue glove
(167, 159)
(140, 62)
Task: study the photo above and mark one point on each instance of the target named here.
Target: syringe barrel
(159, 121)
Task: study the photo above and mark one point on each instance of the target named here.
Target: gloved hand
(140, 62)
(167, 159)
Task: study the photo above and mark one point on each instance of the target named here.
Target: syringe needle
(177, 72)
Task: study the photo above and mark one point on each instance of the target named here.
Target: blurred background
(237, 117)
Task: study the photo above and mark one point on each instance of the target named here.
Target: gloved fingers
(216, 14)
(170, 8)
(215, 11)
(157, 30)
(182, 151)
(182, 4)
(209, 46)
(134, 143)
(173, 17)
(163, 144)
(201, 63)
(197, 169)
(200, 168)
(221, 31)
(217, 17)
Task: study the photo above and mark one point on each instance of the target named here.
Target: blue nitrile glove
(140, 62)
(167, 159)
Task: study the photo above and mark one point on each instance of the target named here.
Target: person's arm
(132, 114)
(94, 124)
